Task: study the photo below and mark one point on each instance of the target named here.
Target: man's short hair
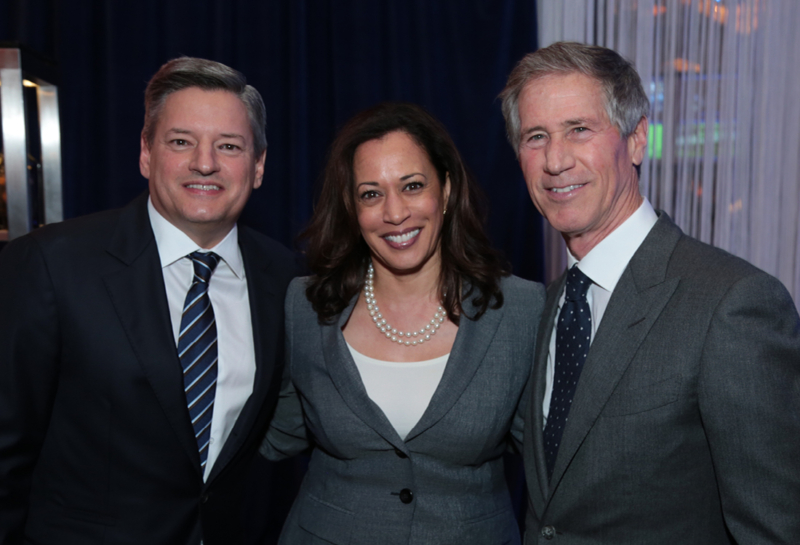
(625, 100)
(185, 72)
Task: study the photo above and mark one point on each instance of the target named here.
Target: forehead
(395, 149)
(195, 109)
(557, 98)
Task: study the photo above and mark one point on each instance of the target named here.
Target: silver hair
(625, 100)
(185, 72)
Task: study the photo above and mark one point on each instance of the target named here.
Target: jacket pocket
(325, 520)
(646, 398)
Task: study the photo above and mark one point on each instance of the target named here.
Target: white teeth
(565, 189)
(403, 238)
(203, 187)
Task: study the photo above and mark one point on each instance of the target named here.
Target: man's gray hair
(185, 72)
(625, 100)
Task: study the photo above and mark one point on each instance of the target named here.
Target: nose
(558, 157)
(204, 160)
(395, 209)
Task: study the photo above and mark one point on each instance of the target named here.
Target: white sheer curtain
(723, 78)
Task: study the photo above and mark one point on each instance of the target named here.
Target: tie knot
(577, 284)
(204, 265)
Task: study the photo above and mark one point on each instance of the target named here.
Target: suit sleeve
(29, 353)
(749, 397)
(287, 434)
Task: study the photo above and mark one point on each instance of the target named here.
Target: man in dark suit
(141, 348)
(665, 400)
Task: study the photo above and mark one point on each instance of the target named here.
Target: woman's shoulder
(296, 299)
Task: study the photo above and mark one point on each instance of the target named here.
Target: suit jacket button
(548, 532)
(406, 496)
(400, 453)
(204, 498)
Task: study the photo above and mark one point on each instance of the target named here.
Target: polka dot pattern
(573, 337)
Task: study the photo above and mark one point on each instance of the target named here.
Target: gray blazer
(685, 426)
(444, 484)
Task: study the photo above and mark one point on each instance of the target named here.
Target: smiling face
(399, 200)
(579, 171)
(201, 164)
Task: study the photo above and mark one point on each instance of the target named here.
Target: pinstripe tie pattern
(573, 336)
(197, 349)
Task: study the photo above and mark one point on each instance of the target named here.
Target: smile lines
(402, 238)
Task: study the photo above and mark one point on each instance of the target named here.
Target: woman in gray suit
(408, 350)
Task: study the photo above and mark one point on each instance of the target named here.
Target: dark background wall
(316, 63)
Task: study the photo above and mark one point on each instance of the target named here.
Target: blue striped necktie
(197, 349)
(573, 336)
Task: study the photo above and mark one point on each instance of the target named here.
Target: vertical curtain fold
(724, 122)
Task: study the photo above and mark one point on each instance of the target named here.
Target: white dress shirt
(227, 289)
(402, 390)
(604, 265)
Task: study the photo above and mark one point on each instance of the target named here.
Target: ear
(446, 190)
(260, 170)
(637, 142)
(144, 157)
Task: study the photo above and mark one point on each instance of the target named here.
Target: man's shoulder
(693, 258)
(262, 242)
(74, 235)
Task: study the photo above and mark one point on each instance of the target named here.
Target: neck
(420, 284)
(581, 244)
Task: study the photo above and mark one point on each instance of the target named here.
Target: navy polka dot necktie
(573, 336)
(197, 349)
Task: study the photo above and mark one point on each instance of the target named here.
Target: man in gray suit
(665, 400)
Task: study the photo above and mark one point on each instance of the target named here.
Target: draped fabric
(316, 63)
(724, 121)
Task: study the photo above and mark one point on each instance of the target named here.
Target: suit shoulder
(267, 244)
(693, 259)
(296, 300)
(98, 226)
(516, 289)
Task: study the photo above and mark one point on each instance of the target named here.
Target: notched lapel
(535, 412)
(639, 298)
(469, 348)
(139, 297)
(347, 380)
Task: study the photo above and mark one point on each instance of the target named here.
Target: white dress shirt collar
(606, 262)
(173, 244)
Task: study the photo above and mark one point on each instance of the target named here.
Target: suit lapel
(345, 376)
(266, 319)
(533, 427)
(469, 348)
(139, 297)
(638, 299)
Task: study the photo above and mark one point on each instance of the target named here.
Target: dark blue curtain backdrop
(316, 62)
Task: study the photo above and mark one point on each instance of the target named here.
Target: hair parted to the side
(185, 72)
(336, 251)
(624, 97)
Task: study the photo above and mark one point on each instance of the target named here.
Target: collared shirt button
(548, 532)
(406, 496)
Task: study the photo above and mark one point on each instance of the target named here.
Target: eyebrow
(565, 123)
(176, 130)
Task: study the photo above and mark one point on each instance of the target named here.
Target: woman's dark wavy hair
(336, 251)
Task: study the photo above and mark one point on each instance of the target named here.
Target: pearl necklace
(411, 338)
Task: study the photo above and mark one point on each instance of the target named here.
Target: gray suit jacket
(444, 484)
(685, 426)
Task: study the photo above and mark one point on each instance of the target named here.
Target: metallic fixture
(32, 168)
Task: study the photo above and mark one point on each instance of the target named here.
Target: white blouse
(402, 390)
